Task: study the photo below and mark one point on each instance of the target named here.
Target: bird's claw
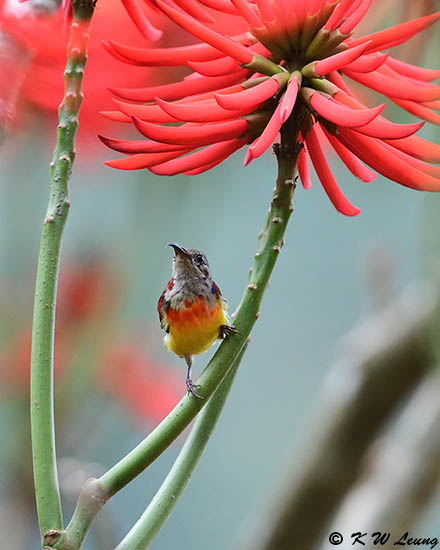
(227, 329)
(191, 387)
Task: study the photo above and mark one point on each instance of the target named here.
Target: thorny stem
(42, 415)
(269, 245)
(160, 508)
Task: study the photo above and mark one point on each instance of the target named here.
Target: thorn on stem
(51, 537)
(252, 286)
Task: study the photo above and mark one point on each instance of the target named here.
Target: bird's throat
(188, 288)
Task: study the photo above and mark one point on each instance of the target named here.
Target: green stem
(159, 509)
(269, 246)
(42, 415)
(247, 314)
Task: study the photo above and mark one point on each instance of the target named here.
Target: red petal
(139, 146)
(354, 19)
(215, 39)
(221, 5)
(248, 13)
(337, 113)
(382, 159)
(420, 165)
(176, 90)
(336, 79)
(351, 161)
(116, 116)
(141, 21)
(219, 67)
(339, 60)
(393, 36)
(368, 63)
(288, 100)
(164, 56)
(140, 161)
(150, 113)
(412, 70)
(303, 169)
(199, 158)
(326, 178)
(337, 15)
(250, 97)
(198, 111)
(205, 167)
(420, 111)
(266, 10)
(192, 134)
(403, 89)
(384, 129)
(380, 127)
(195, 10)
(267, 137)
(418, 148)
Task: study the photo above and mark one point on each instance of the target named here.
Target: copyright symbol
(335, 538)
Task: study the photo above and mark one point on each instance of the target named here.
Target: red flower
(87, 290)
(46, 38)
(146, 388)
(292, 60)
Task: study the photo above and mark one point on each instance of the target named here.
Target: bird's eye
(198, 258)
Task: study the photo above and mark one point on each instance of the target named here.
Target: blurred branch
(270, 241)
(383, 359)
(159, 509)
(42, 416)
(399, 482)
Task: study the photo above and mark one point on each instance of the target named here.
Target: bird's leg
(190, 386)
(225, 330)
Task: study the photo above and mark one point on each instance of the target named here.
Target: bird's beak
(179, 250)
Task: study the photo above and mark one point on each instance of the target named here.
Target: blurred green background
(117, 229)
(318, 291)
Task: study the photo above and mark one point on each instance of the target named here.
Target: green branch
(159, 509)
(247, 314)
(270, 243)
(42, 415)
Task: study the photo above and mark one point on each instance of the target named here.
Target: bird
(192, 310)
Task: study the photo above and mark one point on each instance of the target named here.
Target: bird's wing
(162, 308)
(215, 290)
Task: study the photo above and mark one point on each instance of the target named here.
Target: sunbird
(192, 310)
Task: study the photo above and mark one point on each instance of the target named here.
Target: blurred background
(114, 378)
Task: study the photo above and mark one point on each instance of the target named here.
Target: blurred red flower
(86, 356)
(15, 365)
(46, 38)
(149, 390)
(87, 291)
(289, 65)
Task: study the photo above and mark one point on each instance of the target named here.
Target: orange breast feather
(194, 328)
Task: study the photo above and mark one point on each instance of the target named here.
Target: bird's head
(189, 263)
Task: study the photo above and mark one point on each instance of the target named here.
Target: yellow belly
(194, 329)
